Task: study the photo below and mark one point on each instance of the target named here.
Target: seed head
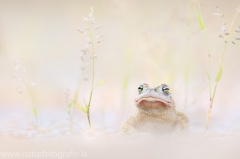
(84, 18)
(81, 31)
(99, 36)
(98, 27)
(81, 56)
(224, 28)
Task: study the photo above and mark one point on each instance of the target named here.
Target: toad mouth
(151, 99)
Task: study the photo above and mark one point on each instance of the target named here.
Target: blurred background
(149, 41)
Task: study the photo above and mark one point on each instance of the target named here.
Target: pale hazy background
(145, 41)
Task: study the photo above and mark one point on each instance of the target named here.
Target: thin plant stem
(93, 74)
(199, 9)
(70, 105)
(90, 51)
(70, 117)
(209, 63)
(209, 55)
(210, 106)
(34, 103)
(223, 54)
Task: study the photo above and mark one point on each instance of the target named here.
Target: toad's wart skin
(156, 112)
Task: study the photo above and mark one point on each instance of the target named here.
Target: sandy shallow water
(53, 139)
(104, 144)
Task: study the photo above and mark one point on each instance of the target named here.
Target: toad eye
(165, 89)
(142, 88)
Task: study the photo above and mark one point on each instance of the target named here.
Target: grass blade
(79, 107)
(199, 19)
(219, 75)
(34, 111)
(87, 109)
(87, 106)
(99, 83)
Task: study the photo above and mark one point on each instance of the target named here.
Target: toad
(156, 112)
